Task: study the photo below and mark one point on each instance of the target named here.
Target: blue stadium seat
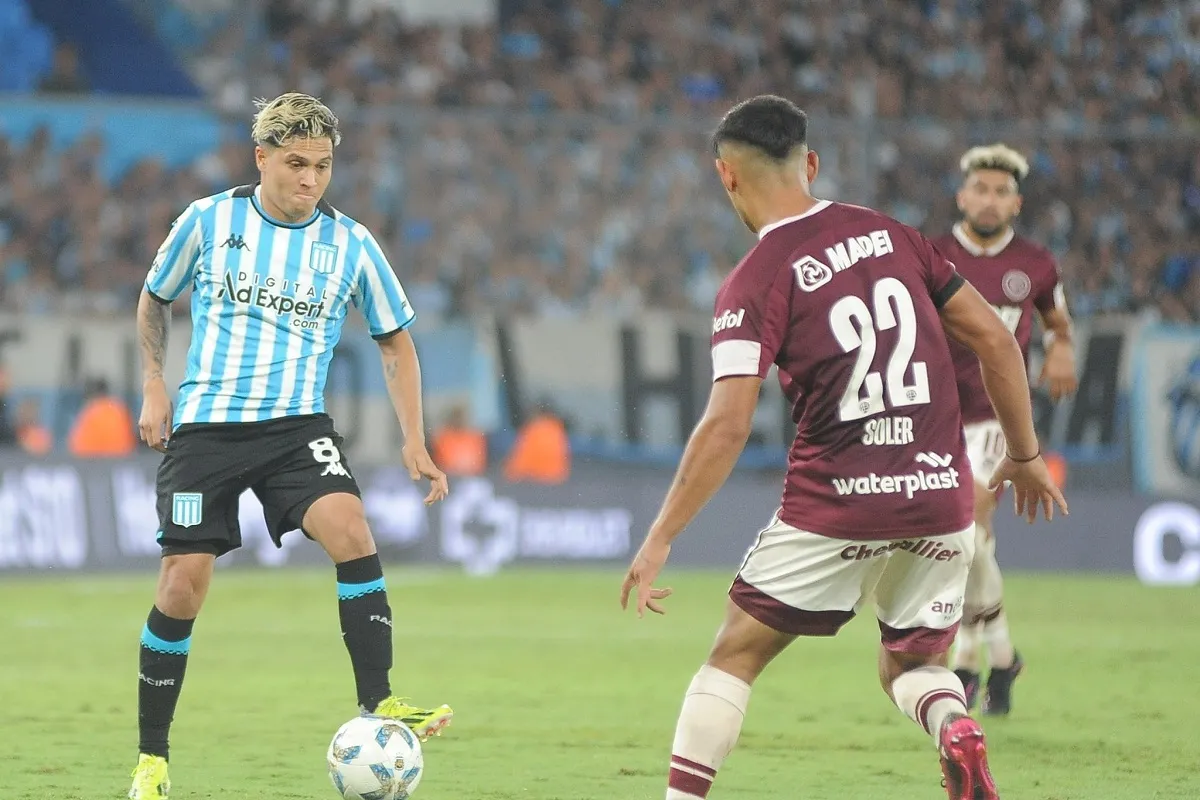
(14, 15)
(38, 46)
(27, 45)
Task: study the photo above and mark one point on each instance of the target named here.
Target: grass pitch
(559, 696)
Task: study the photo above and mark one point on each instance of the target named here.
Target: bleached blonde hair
(995, 156)
(290, 116)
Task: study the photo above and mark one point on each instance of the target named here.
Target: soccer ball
(375, 758)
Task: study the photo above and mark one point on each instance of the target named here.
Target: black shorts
(288, 463)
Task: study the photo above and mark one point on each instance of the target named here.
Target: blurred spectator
(65, 76)
(557, 163)
(104, 427)
(459, 448)
(541, 452)
(8, 434)
(1058, 468)
(1180, 302)
(34, 437)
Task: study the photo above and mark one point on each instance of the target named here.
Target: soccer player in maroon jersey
(854, 308)
(1018, 278)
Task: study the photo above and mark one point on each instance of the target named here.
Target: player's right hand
(648, 562)
(419, 463)
(154, 424)
(1033, 486)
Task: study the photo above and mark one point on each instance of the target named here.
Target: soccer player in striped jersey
(274, 270)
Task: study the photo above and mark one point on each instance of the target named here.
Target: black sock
(366, 627)
(161, 663)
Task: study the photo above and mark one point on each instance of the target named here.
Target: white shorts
(811, 585)
(985, 449)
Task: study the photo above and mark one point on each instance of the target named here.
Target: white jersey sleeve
(174, 264)
(379, 294)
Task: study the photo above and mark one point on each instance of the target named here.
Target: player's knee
(339, 524)
(349, 537)
(893, 664)
(182, 586)
(742, 657)
(745, 665)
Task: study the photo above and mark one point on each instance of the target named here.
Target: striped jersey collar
(256, 201)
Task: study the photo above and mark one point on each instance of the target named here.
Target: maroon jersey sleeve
(750, 318)
(941, 276)
(1049, 287)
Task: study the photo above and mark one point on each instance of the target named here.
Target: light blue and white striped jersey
(268, 304)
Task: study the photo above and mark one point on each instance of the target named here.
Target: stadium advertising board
(1166, 545)
(632, 386)
(1165, 400)
(52, 357)
(645, 382)
(60, 516)
(98, 515)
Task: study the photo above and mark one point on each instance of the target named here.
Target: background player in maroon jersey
(1018, 278)
(853, 308)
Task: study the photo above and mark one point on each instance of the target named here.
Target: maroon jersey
(845, 300)
(1016, 276)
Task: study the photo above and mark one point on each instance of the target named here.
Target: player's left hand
(1058, 371)
(648, 562)
(1033, 487)
(419, 463)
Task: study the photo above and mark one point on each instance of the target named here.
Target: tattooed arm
(153, 324)
(402, 373)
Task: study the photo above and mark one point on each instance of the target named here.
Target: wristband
(1033, 457)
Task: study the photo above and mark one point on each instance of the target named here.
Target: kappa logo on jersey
(236, 242)
(277, 295)
(811, 274)
(187, 509)
(323, 258)
(728, 320)
(1016, 285)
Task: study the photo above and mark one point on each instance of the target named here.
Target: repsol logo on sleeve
(728, 319)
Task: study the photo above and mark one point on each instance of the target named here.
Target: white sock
(999, 643)
(927, 695)
(708, 728)
(966, 647)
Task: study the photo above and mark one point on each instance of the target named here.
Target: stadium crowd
(557, 162)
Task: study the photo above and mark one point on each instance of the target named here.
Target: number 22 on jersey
(854, 325)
